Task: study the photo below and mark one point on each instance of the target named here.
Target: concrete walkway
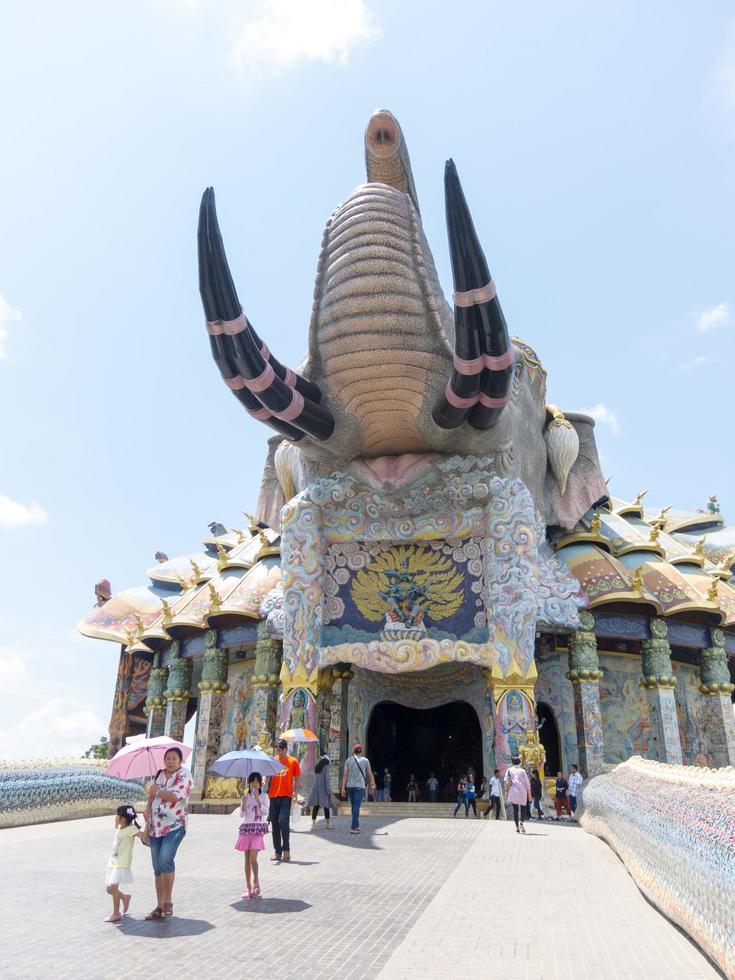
(420, 897)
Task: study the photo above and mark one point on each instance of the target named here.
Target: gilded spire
(639, 498)
(196, 570)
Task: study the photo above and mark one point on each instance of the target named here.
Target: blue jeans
(279, 815)
(356, 796)
(462, 800)
(573, 803)
(163, 851)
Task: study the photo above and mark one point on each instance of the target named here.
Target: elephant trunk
(386, 155)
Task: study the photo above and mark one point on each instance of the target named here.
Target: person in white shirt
(432, 784)
(495, 791)
(575, 782)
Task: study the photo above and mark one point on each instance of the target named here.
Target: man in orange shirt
(281, 790)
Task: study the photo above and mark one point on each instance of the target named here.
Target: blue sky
(596, 145)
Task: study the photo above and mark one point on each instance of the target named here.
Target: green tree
(99, 749)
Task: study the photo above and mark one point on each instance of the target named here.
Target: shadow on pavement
(165, 928)
(270, 905)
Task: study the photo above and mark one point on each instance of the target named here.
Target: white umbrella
(239, 765)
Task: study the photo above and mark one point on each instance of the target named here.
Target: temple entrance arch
(445, 740)
(549, 738)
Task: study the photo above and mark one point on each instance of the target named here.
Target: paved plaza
(411, 898)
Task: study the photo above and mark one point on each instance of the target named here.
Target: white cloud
(693, 364)
(13, 671)
(716, 316)
(55, 729)
(7, 316)
(605, 416)
(14, 514)
(281, 33)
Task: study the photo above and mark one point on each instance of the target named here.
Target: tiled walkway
(420, 897)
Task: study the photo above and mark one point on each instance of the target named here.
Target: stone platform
(407, 898)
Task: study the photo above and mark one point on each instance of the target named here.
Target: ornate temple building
(437, 568)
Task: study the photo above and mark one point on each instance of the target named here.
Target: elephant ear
(585, 484)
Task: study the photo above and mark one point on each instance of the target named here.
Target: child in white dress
(254, 813)
(119, 879)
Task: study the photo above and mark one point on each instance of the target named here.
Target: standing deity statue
(533, 755)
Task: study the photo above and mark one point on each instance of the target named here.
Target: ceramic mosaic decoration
(674, 828)
(60, 789)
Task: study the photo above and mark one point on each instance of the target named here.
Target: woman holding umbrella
(166, 815)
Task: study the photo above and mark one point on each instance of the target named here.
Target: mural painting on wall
(236, 720)
(299, 711)
(514, 715)
(695, 746)
(625, 721)
(389, 592)
(553, 688)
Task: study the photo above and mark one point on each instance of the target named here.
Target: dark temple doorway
(445, 740)
(549, 738)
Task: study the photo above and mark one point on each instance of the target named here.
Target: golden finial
(221, 556)
(263, 538)
(661, 516)
(139, 624)
(214, 600)
(699, 547)
(637, 582)
(185, 583)
(196, 569)
(712, 595)
(240, 535)
(655, 531)
(167, 613)
(639, 498)
(727, 562)
(252, 522)
(595, 523)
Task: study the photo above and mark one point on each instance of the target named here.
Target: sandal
(113, 918)
(157, 913)
(247, 893)
(255, 893)
(168, 910)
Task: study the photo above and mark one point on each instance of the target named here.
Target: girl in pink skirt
(254, 813)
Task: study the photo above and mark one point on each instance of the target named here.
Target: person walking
(461, 797)
(282, 790)
(253, 808)
(379, 786)
(412, 788)
(575, 784)
(357, 778)
(119, 878)
(432, 784)
(387, 783)
(166, 817)
(495, 793)
(321, 792)
(537, 790)
(518, 788)
(561, 801)
(470, 796)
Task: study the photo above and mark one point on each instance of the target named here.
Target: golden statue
(639, 498)
(265, 741)
(222, 556)
(532, 753)
(595, 523)
(699, 547)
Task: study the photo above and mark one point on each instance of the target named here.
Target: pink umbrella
(145, 758)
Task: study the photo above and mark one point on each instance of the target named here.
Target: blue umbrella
(239, 765)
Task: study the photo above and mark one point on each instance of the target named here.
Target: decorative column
(584, 673)
(715, 684)
(338, 749)
(264, 705)
(659, 682)
(155, 702)
(212, 688)
(178, 692)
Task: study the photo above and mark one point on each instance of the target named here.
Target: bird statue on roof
(216, 529)
(161, 557)
(102, 592)
(713, 506)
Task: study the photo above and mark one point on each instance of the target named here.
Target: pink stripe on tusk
(469, 367)
(474, 297)
(236, 384)
(262, 414)
(263, 381)
(229, 327)
(501, 361)
(489, 402)
(455, 399)
(294, 409)
(264, 352)
(290, 378)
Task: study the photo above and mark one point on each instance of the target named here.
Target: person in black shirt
(561, 800)
(537, 790)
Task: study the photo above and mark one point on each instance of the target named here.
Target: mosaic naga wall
(674, 828)
(417, 463)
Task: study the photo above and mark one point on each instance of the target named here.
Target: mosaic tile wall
(60, 789)
(674, 829)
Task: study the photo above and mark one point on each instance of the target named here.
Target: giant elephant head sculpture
(391, 369)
